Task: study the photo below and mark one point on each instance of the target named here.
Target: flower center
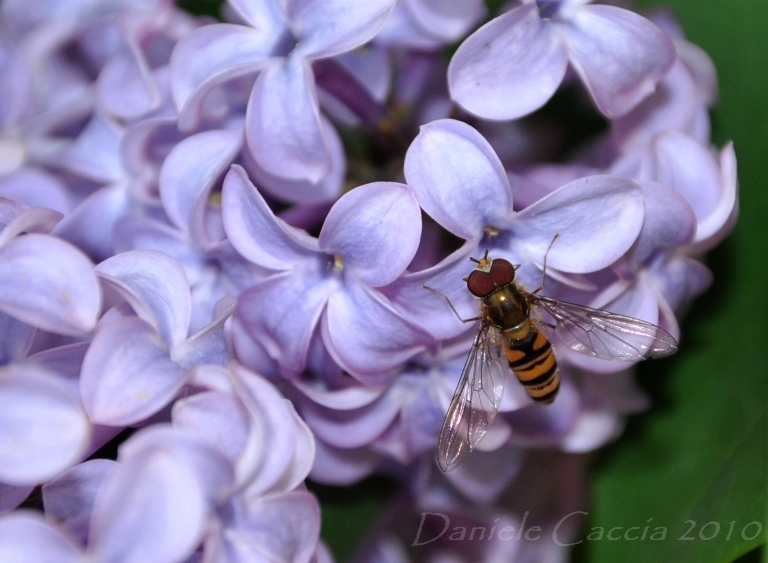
(338, 263)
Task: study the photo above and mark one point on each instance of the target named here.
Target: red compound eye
(502, 272)
(480, 283)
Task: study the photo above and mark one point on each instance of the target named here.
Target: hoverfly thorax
(493, 281)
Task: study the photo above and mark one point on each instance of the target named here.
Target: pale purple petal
(127, 374)
(89, 226)
(619, 55)
(126, 88)
(34, 220)
(688, 167)
(427, 308)
(25, 536)
(151, 508)
(95, 154)
(351, 428)
(446, 19)
(509, 67)
(283, 122)
(277, 462)
(325, 28)
(32, 402)
(593, 429)
(334, 466)
(190, 170)
(36, 188)
(669, 221)
(264, 15)
(375, 229)
(211, 55)
(254, 230)
(217, 419)
(49, 284)
(598, 218)
(68, 499)
(457, 178)
(351, 397)
(213, 472)
(282, 528)
(304, 191)
(156, 287)
(208, 345)
(367, 336)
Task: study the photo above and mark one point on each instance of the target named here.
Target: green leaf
(698, 460)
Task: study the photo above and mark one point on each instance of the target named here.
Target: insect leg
(455, 312)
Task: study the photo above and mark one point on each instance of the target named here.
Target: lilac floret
(329, 281)
(512, 65)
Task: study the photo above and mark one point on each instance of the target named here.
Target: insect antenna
(544, 268)
(455, 312)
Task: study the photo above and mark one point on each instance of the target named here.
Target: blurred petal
(375, 229)
(126, 88)
(89, 226)
(190, 170)
(457, 178)
(32, 402)
(156, 287)
(210, 55)
(619, 55)
(151, 508)
(509, 67)
(127, 375)
(95, 154)
(335, 466)
(283, 123)
(264, 15)
(68, 499)
(598, 218)
(25, 536)
(254, 230)
(49, 284)
(325, 28)
(34, 220)
(367, 336)
(447, 19)
(277, 528)
(36, 188)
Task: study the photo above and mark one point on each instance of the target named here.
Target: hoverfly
(508, 338)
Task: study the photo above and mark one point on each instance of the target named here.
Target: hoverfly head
(490, 275)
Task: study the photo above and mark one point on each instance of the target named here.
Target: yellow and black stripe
(532, 360)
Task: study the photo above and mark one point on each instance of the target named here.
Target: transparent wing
(476, 400)
(606, 335)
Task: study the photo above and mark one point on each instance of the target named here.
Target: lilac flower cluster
(184, 254)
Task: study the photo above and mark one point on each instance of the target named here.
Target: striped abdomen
(532, 360)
